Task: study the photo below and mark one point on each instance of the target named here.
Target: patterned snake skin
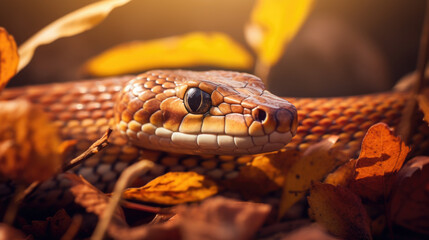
(152, 121)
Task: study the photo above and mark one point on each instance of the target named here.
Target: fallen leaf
(192, 49)
(339, 210)
(89, 197)
(69, 25)
(423, 101)
(312, 232)
(273, 24)
(9, 233)
(221, 218)
(342, 175)
(174, 188)
(215, 218)
(262, 175)
(52, 228)
(409, 204)
(29, 143)
(382, 154)
(315, 163)
(8, 57)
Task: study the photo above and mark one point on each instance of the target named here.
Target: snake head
(214, 112)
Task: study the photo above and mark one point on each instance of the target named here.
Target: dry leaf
(193, 49)
(52, 228)
(423, 101)
(174, 188)
(89, 197)
(273, 24)
(382, 155)
(71, 24)
(215, 218)
(9, 233)
(342, 175)
(8, 57)
(264, 174)
(29, 143)
(316, 162)
(221, 219)
(339, 210)
(409, 203)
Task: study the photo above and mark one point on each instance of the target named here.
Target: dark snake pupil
(197, 101)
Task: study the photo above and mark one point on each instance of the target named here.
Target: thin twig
(93, 149)
(406, 125)
(141, 207)
(20, 194)
(126, 177)
(423, 52)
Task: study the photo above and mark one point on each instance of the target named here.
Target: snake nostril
(260, 115)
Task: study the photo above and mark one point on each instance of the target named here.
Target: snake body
(152, 120)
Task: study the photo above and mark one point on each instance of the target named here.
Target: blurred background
(344, 47)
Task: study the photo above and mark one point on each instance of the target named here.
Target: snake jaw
(244, 118)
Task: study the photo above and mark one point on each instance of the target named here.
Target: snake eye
(197, 101)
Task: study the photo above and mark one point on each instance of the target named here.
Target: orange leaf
(382, 155)
(29, 142)
(8, 57)
(174, 188)
(339, 210)
(316, 162)
(409, 203)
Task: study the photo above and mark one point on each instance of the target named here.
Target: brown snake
(208, 122)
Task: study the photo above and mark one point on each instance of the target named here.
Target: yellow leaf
(71, 24)
(316, 162)
(8, 57)
(272, 25)
(193, 49)
(342, 175)
(174, 188)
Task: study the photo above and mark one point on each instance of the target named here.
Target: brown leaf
(53, 227)
(423, 101)
(312, 232)
(8, 57)
(409, 204)
(29, 143)
(221, 218)
(174, 188)
(316, 162)
(215, 218)
(339, 210)
(382, 155)
(89, 197)
(9, 233)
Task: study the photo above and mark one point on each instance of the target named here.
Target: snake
(212, 122)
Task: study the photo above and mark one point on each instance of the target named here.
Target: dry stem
(126, 177)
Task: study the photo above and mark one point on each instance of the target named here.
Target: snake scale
(211, 122)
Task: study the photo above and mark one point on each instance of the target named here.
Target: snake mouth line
(218, 144)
